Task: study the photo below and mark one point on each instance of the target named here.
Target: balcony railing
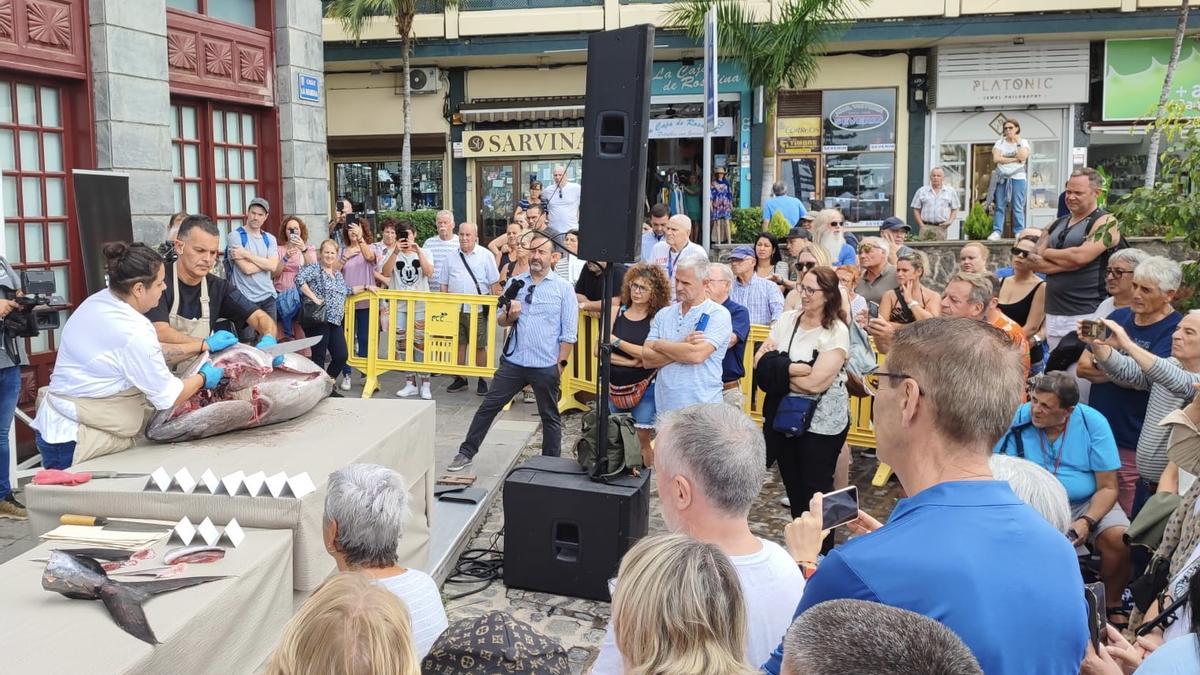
(482, 5)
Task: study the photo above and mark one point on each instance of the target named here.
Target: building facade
(908, 86)
(204, 104)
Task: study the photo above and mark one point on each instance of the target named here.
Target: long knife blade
(292, 346)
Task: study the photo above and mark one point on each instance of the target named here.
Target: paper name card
(233, 533)
(233, 482)
(300, 484)
(184, 481)
(184, 531)
(210, 482)
(276, 484)
(208, 532)
(253, 483)
(159, 479)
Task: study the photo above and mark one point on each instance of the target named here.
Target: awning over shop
(523, 110)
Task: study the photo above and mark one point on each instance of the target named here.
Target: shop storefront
(676, 149)
(367, 171)
(978, 88)
(504, 163)
(1133, 72)
(837, 149)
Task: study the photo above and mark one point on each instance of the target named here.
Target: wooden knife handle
(73, 519)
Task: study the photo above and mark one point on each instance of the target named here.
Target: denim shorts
(643, 412)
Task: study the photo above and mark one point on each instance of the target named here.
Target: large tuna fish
(251, 395)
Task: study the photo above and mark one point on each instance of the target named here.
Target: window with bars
(34, 164)
(216, 164)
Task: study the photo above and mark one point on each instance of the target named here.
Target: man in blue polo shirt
(1074, 442)
(791, 208)
(733, 366)
(962, 548)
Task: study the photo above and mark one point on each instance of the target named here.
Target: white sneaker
(995, 236)
(345, 386)
(785, 502)
(426, 394)
(409, 389)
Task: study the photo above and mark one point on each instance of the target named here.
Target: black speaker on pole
(564, 533)
(615, 133)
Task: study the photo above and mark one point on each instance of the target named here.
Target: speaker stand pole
(601, 466)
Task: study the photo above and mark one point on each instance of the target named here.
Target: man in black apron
(195, 299)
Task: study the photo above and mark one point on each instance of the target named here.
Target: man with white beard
(829, 233)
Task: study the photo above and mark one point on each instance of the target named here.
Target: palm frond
(775, 53)
(354, 15)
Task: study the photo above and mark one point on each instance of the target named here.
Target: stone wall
(943, 255)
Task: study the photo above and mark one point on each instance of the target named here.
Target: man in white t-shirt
(709, 465)
(676, 246)
(562, 202)
(441, 246)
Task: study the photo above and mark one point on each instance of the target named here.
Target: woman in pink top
(296, 252)
(357, 265)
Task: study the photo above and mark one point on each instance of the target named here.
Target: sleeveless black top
(1019, 310)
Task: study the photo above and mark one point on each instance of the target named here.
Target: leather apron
(198, 328)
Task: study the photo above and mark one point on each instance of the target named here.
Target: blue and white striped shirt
(761, 297)
(549, 317)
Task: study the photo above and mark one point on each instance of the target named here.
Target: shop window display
(375, 186)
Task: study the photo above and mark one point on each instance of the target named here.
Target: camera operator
(543, 334)
(11, 360)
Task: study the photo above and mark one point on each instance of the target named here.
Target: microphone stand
(601, 467)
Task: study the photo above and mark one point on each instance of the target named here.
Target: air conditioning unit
(422, 81)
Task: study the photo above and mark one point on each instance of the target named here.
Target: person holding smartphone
(295, 253)
(407, 268)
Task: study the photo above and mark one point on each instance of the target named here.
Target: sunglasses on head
(866, 248)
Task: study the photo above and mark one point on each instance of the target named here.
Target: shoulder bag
(795, 411)
(627, 396)
(313, 313)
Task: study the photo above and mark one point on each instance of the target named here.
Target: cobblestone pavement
(579, 624)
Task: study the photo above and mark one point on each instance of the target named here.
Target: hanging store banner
(675, 78)
(523, 142)
(689, 127)
(798, 134)
(1134, 71)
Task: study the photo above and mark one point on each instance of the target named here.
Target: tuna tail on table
(253, 394)
(82, 578)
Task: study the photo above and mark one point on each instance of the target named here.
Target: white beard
(832, 242)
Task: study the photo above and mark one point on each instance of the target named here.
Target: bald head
(468, 236)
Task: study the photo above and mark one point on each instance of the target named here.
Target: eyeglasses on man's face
(1116, 273)
(872, 380)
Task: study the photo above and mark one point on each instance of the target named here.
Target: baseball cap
(809, 216)
(893, 223)
(799, 232)
(742, 252)
(261, 203)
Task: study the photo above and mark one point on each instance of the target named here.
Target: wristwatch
(562, 364)
(616, 341)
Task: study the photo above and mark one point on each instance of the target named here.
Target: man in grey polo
(254, 257)
(935, 206)
(687, 342)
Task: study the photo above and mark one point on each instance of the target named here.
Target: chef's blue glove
(270, 341)
(219, 340)
(212, 375)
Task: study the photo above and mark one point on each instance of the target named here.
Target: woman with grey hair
(1036, 487)
(365, 509)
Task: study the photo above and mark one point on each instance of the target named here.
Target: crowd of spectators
(1030, 414)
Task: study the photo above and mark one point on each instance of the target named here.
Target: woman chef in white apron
(110, 366)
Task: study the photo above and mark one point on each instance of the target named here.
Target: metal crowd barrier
(582, 374)
(432, 348)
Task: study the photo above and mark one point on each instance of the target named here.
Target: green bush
(978, 224)
(747, 223)
(424, 220)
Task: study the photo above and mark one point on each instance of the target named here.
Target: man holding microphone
(543, 314)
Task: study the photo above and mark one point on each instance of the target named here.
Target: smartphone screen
(1094, 593)
(1095, 329)
(873, 310)
(702, 323)
(839, 507)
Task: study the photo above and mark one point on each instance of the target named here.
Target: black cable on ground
(478, 566)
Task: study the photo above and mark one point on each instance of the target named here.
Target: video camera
(168, 252)
(38, 308)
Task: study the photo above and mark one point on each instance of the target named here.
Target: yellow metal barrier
(441, 341)
(582, 374)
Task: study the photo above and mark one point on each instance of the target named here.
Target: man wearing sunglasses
(1073, 257)
(544, 329)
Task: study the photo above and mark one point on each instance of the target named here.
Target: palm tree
(1155, 134)
(354, 16)
(782, 52)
